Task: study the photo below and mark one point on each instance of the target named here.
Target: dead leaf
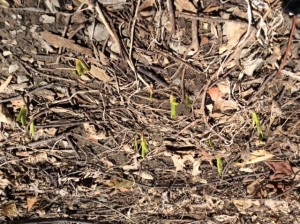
(5, 116)
(92, 133)
(251, 65)
(147, 8)
(6, 83)
(225, 105)
(30, 203)
(39, 157)
(107, 162)
(255, 157)
(244, 204)
(278, 206)
(196, 165)
(212, 7)
(179, 161)
(275, 112)
(215, 93)
(10, 210)
(251, 188)
(122, 185)
(18, 103)
(281, 169)
(4, 182)
(185, 5)
(58, 41)
(226, 218)
(4, 3)
(233, 31)
(145, 175)
(99, 74)
(204, 41)
(103, 59)
(224, 87)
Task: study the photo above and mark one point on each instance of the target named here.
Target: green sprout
(174, 105)
(142, 145)
(219, 165)
(32, 129)
(188, 102)
(81, 67)
(22, 116)
(256, 123)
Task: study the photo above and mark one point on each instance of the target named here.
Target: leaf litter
(156, 83)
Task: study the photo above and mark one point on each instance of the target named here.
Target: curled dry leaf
(39, 157)
(226, 218)
(251, 188)
(219, 103)
(9, 210)
(215, 93)
(281, 169)
(244, 204)
(4, 3)
(5, 116)
(233, 31)
(145, 175)
(179, 161)
(278, 206)
(255, 157)
(30, 203)
(99, 74)
(147, 8)
(251, 65)
(185, 5)
(4, 182)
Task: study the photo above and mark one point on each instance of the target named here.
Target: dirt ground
(149, 111)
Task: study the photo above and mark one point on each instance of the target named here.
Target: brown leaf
(5, 116)
(185, 5)
(100, 74)
(30, 203)
(281, 169)
(147, 8)
(215, 93)
(58, 41)
(10, 210)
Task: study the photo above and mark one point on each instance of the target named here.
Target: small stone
(6, 53)
(47, 19)
(13, 68)
(13, 32)
(100, 32)
(176, 82)
(22, 78)
(27, 58)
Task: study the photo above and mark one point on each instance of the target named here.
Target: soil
(99, 145)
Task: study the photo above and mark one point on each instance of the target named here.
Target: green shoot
(174, 105)
(32, 129)
(188, 102)
(81, 67)
(136, 145)
(211, 144)
(256, 123)
(22, 116)
(219, 165)
(144, 145)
